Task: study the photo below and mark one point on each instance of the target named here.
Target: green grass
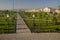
(40, 21)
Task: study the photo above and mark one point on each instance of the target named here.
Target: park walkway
(21, 26)
(23, 33)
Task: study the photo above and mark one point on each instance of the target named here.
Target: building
(57, 11)
(41, 10)
(48, 9)
(32, 10)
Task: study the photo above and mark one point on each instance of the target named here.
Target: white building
(32, 10)
(48, 9)
(41, 9)
(57, 11)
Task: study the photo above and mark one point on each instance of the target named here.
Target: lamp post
(13, 5)
(33, 19)
(8, 21)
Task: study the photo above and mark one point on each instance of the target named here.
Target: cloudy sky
(28, 4)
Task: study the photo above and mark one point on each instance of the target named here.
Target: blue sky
(28, 4)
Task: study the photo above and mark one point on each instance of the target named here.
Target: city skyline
(28, 4)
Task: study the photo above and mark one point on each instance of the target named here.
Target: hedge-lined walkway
(21, 26)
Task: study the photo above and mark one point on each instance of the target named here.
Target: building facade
(32, 10)
(48, 9)
(57, 11)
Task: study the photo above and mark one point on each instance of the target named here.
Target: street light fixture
(33, 16)
(33, 19)
(7, 16)
(8, 21)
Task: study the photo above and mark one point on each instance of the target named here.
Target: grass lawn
(42, 22)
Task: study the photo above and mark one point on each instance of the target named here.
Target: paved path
(30, 36)
(21, 26)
